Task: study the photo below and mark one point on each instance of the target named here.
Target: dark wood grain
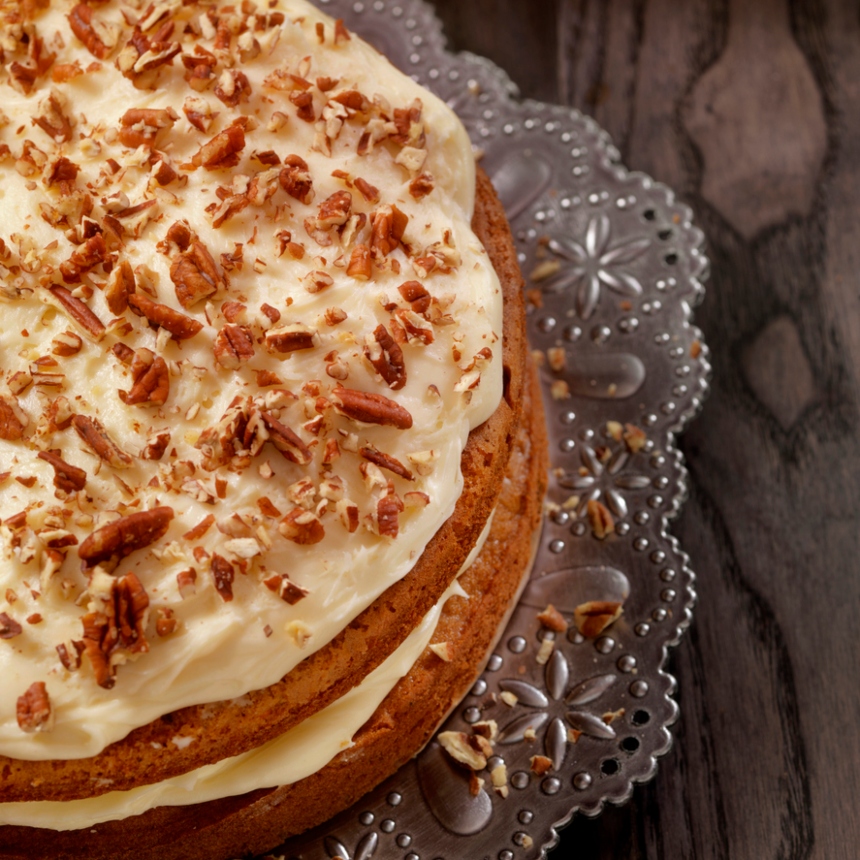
(751, 112)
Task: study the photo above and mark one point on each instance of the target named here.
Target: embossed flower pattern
(596, 264)
(604, 474)
(560, 706)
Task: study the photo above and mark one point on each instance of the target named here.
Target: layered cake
(271, 455)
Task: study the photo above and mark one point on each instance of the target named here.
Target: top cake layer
(246, 331)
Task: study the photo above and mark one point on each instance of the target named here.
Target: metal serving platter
(613, 266)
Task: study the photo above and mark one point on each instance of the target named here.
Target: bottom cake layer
(398, 729)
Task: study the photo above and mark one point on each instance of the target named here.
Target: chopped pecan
(89, 255)
(388, 510)
(142, 54)
(70, 657)
(195, 275)
(86, 27)
(289, 338)
(61, 172)
(95, 437)
(166, 621)
(180, 326)
(552, 619)
(388, 226)
(600, 519)
(369, 192)
(233, 87)
(295, 179)
(67, 477)
(594, 616)
(79, 312)
(222, 151)
(386, 356)
(119, 626)
(285, 588)
(66, 344)
(139, 126)
(120, 285)
(198, 112)
(118, 539)
(9, 627)
(150, 380)
(421, 186)
(286, 441)
(156, 444)
(33, 709)
(13, 419)
(386, 461)
(223, 575)
(304, 102)
(52, 119)
(334, 210)
(416, 294)
(370, 408)
(233, 346)
(360, 266)
(317, 281)
(302, 527)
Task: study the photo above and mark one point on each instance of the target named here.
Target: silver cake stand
(613, 266)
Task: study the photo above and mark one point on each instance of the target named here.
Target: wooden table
(750, 110)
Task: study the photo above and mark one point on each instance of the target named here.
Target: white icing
(220, 650)
(294, 755)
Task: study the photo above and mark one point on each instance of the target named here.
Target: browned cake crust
(230, 728)
(406, 719)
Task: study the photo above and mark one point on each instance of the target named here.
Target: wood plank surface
(751, 112)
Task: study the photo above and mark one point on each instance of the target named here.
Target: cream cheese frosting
(246, 393)
(294, 755)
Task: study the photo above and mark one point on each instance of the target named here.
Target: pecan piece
(82, 259)
(386, 461)
(120, 626)
(370, 408)
(195, 275)
(301, 527)
(285, 588)
(222, 151)
(78, 311)
(53, 120)
(388, 510)
(177, 323)
(601, 521)
(84, 27)
(140, 126)
(360, 266)
(289, 338)
(95, 437)
(223, 575)
(286, 441)
(416, 294)
(388, 225)
(120, 285)
(295, 179)
(33, 709)
(334, 210)
(386, 356)
(233, 346)
(150, 380)
(233, 87)
(113, 542)
(593, 617)
(67, 477)
(13, 419)
(9, 627)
